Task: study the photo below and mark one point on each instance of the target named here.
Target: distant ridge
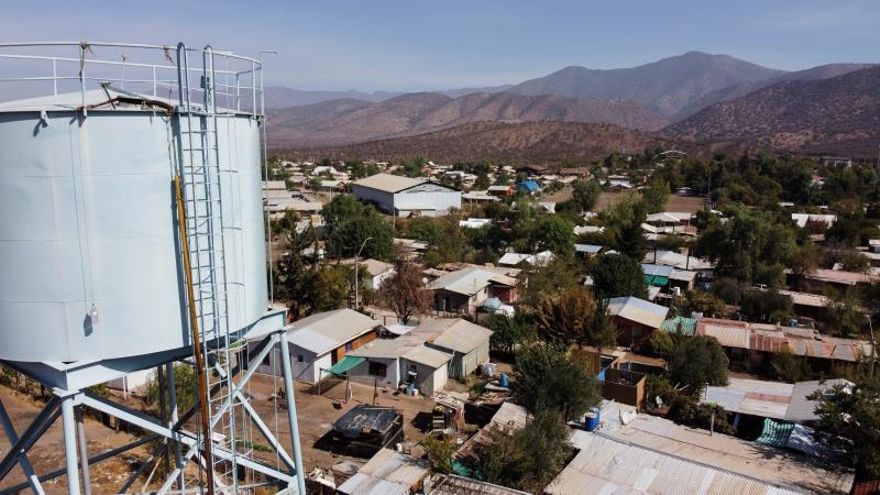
(528, 142)
(350, 120)
(835, 115)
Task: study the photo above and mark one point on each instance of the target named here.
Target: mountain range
(348, 120)
(684, 97)
(536, 142)
(840, 114)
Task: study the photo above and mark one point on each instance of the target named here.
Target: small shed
(467, 342)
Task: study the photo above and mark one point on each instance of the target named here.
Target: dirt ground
(48, 454)
(317, 413)
(608, 199)
(690, 204)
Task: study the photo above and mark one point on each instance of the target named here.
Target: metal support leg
(290, 395)
(178, 452)
(68, 421)
(39, 426)
(26, 466)
(83, 452)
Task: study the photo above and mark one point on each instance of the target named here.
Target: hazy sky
(423, 45)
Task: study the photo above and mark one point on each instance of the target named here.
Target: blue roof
(528, 185)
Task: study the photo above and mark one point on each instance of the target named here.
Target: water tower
(132, 237)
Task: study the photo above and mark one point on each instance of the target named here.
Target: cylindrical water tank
(88, 253)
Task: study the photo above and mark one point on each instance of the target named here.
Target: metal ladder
(201, 173)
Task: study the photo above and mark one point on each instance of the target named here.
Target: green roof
(687, 326)
(345, 365)
(775, 434)
(656, 280)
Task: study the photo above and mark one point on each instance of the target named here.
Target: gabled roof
(390, 183)
(455, 334)
(638, 310)
(323, 332)
(677, 260)
(470, 281)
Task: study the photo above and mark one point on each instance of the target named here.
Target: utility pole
(356, 270)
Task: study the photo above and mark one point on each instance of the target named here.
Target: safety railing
(44, 69)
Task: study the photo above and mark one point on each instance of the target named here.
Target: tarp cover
(345, 365)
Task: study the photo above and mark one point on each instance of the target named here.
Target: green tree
(482, 183)
(585, 193)
(341, 208)
(630, 241)
(556, 234)
(510, 333)
(765, 306)
(439, 454)
(656, 194)
(529, 458)
(842, 316)
(330, 288)
(184, 386)
(616, 275)
(702, 302)
(294, 274)
(347, 238)
(698, 360)
(787, 367)
(556, 276)
(601, 332)
(548, 379)
(849, 422)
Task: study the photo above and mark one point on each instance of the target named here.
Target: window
(378, 369)
(299, 358)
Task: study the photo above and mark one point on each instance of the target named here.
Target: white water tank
(89, 265)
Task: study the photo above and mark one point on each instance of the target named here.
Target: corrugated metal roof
(450, 484)
(638, 310)
(800, 408)
(604, 465)
(469, 281)
(323, 332)
(390, 183)
(657, 270)
(455, 334)
(755, 397)
(509, 415)
(729, 333)
(428, 356)
(387, 472)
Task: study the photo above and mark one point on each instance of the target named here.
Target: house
(388, 471)
(821, 278)
(477, 197)
(463, 291)
(753, 342)
(500, 191)
(405, 196)
(587, 250)
(646, 454)
(804, 219)
(319, 341)
(588, 229)
(518, 259)
(425, 356)
(474, 223)
(528, 187)
(467, 342)
(377, 271)
(635, 318)
(401, 361)
(774, 400)
(677, 260)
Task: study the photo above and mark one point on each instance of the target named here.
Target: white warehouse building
(406, 196)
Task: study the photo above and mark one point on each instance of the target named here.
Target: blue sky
(424, 45)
